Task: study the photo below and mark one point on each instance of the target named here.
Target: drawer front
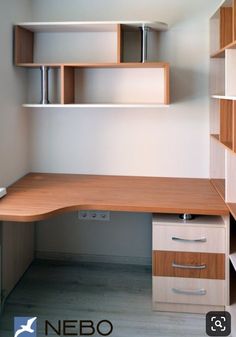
(189, 238)
(188, 291)
(188, 264)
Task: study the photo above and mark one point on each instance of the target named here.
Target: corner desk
(195, 255)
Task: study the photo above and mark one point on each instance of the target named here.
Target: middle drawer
(188, 264)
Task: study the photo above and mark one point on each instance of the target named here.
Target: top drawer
(189, 238)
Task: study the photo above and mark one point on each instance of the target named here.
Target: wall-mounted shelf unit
(93, 64)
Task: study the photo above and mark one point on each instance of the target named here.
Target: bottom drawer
(188, 290)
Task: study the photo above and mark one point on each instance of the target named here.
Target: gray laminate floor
(121, 294)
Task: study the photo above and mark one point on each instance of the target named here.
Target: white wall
(14, 161)
(163, 142)
(14, 137)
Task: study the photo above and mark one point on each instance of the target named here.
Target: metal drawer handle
(189, 240)
(197, 292)
(188, 266)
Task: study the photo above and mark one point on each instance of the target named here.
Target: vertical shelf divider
(23, 45)
(119, 43)
(62, 92)
(67, 85)
(167, 84)
(226, 122)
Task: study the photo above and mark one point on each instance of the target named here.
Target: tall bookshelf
(223, 122)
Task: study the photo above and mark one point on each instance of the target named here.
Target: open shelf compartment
(223, 29)
(115, 85)
(84, 42)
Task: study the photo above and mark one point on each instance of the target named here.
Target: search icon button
(218, 324)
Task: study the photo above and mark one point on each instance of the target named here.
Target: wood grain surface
(226, 26)
(23, 45)
(214, 264)
(40, 195)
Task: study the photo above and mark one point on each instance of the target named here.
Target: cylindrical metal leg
(144, 43)
(44, 85)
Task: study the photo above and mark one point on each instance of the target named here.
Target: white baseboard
(133, 260)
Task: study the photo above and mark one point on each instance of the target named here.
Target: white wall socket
(94, 215)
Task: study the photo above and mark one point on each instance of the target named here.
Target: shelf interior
(227, 124)
(112, 42)
(107, 86)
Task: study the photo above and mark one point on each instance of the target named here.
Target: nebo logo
(79, 328)
(27, 327)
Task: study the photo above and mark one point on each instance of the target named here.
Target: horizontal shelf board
(233, 259)
(221, 53)
(232, 209)
(233, 98)
(97, 65)
(89, 26)
(102, 105)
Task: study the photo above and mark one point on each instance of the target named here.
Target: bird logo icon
(25, 329)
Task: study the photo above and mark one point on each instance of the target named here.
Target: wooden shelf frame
(24, 57)
(24, 34)
(68, 85)
(223, 123)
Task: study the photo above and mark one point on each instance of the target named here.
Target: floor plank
(119, 293)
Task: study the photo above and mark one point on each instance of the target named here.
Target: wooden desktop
(38, 196)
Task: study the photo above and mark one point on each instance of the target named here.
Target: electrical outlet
(83, 215)
(94, 215)
(101, 215)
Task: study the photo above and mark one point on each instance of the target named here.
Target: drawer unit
(188, 291)
(188, 264)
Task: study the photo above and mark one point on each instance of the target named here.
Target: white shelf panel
(144, 105)
(233, 98)
(88, 26)
(233, 260)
